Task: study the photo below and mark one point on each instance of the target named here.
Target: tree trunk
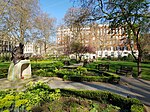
(139, 69)
(45, 47)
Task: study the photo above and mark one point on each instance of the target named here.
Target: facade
(30, 48)
(106, 42)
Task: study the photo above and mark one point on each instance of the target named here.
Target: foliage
(45, 26)
(36, 58)
(46, 69)
(73, 61)
(62, 72)
(3, 72)
(116, 64)
(79, 75)
(35, 94)
(81, 70)
(131, 16)
(39, 94)
(126, 104)
(5, 58)
(135, 109)
(77, 48)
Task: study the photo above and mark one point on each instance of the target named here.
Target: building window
(106, 53)
(112, 53)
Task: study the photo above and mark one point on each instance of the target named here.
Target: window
(112, 53)
(106, 54)
(125, 52)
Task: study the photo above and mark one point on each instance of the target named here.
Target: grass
(113, 66)
(116, 64)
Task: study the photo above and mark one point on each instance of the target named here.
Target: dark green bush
(74, 75)
(88, 78)
(73, 61)
(126, 104)
(3, 72)
(62, 72)
(5, 58)
(44, 73)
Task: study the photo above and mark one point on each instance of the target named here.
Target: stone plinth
(21, 70)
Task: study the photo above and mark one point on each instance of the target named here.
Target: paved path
(132, 87)
(140, 88)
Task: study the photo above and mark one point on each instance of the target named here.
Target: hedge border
(111, 78)
(129, 104)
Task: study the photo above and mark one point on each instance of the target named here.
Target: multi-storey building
(107, 42)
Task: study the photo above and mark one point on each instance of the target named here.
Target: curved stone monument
(20, 67)
(21, 70)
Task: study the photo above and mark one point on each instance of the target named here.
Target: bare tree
(45, 27)
(75, 21)
(18, 18)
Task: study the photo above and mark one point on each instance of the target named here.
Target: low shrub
(88, 78)
(79, 75)
(44, 73)
(36, 94)
(5, 58)
(52, 65)
(73, 61)
(60, 73)
(126, 104)
(3, 72)
(46, 69)
(81, 70)
(36, 58)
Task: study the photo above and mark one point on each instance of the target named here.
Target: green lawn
(116, 64)
(113, 66)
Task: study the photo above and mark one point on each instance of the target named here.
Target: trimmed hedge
(75, 76)
(3, 72)
(56, 64)
(126, 104)
(88, 78)
(46, 69)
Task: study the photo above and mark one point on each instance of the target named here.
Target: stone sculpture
(20, 68)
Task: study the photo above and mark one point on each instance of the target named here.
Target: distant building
(29, 49)
(106, 42)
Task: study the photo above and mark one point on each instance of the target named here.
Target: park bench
(103, 67)
(125, 70)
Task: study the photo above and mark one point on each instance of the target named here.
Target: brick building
(106, 42)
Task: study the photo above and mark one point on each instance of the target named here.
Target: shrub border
(130, 104)
(108, 77)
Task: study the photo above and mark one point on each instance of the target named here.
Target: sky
(56, 8)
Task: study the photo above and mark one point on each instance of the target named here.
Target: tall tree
(45, 27)
(79, 49)
(75, 21)
(131, 15)
(18, 18)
